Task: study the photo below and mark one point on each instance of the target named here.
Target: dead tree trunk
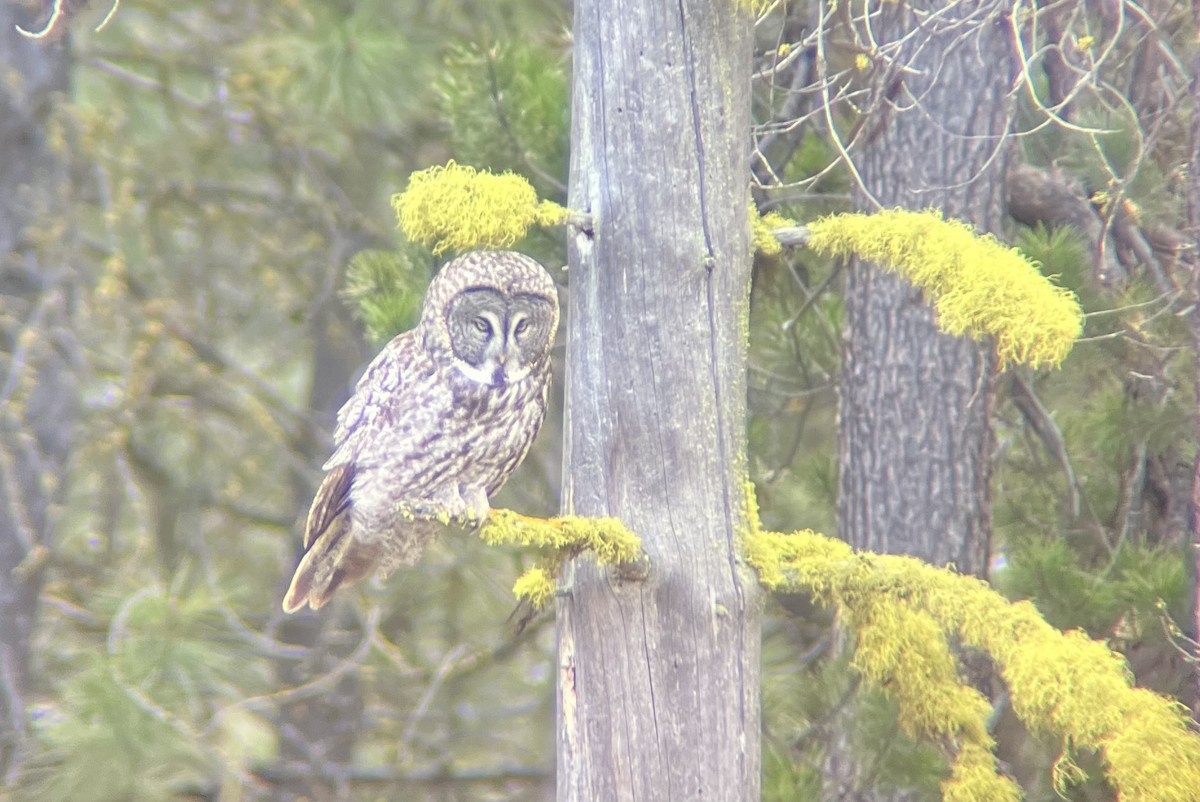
(38, 397)
(658, 673)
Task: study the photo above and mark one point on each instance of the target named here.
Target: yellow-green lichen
(905, 613)
(606, 538)
(535, 586)
(978, 287)
(762, 231)
(973, 778)
(904, 650)
(459, 208)
(900, 647)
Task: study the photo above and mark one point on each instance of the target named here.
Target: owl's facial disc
(482, 356)
(512, 360)
(498, 339)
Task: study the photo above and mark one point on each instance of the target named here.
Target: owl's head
(495, 312)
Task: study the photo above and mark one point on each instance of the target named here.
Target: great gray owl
(439, 421)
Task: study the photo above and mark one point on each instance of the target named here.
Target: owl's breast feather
(496, 428)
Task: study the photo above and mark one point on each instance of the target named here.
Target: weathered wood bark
(914, 436)
(38, 399)
(658, 673)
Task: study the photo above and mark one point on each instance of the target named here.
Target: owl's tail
(333, 557)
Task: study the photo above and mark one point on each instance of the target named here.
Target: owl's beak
(501, 376)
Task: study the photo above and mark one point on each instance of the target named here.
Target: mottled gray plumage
(439, 421)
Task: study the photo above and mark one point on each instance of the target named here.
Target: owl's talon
(422, 512)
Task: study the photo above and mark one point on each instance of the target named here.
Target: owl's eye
(521, 327)
(482, 325)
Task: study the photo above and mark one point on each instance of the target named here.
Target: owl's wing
(331, 557)
(376, 399)
(332, 499)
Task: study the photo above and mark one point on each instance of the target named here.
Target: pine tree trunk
(914, 434)
(38, 396)
(915, 441)
(658, 672)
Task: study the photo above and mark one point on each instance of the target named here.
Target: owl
(441, 418)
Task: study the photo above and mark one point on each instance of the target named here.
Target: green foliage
(128, 728)
(385, 289)
(359, 64)
(794, 363)
(109, 745)
(228, 159)
(1127, 587)
(508, 109)
(811, 163)
(897, 759)
(1059, 253)
(786, 781)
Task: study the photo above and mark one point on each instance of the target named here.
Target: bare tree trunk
(914, 436)
(658, 672)
(38, 397)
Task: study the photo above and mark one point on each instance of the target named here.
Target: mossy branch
(905, 614)
(979, 287)
(459, 208)
(606, 538)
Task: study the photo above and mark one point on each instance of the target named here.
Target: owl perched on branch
(441, 418)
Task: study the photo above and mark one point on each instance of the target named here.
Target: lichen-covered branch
(978, 286)
(905, 611)
(606, 539)
(905, 614)
(459, 208)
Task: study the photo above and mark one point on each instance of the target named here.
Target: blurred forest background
(197, 258)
